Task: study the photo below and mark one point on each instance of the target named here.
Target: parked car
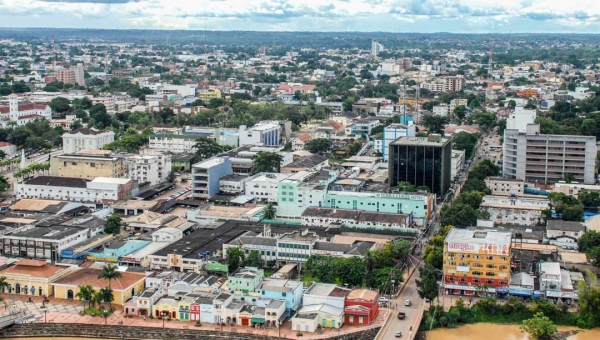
(383, 299)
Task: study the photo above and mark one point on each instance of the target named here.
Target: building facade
(505, 186)
(393, 132)
(86, 139)
(547, 159)
(153, 169)
(524, 210)
(476, 261)
(421, 161)
(207, 174)
(87, 164)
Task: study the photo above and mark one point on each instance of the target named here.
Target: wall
(81, 167)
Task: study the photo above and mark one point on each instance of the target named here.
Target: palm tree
(96, 298)
(86, 292)
(269, 212)
(109, 272)
(3, 285)
(107, 296)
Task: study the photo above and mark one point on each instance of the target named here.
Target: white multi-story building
(376, 48)
(267, 133)
(8, 148)
(441, 110)
(100, 190)
(393, 132)
(86, 139)
(24, 113)
(264, 186)
(505, 186)
(547, 159)
(151, 166)
(525, 210)
(458, 160)
(173, 143)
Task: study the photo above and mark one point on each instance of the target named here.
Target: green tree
(539, 326)
(406, 187)
(254, 259)
(107, 296)
(589, 301)
(512, 104)
(589, 240)
(4, 183)
(235, 258)
(206, 148)
(318, 145)
(270, 212)
(3, 286)
(460, 112)
(109, 272)
(427, 286)
(266, 162)
(459, 215)
(589, 199)
(465, 141)
(60, 105)
(382, 277)
(113, 224)
(434, 123)
(85, 293)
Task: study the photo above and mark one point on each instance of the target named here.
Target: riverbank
(487, 331)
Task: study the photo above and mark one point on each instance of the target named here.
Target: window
(283, 294)
(490, 274)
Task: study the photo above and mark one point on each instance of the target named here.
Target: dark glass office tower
(421, 161)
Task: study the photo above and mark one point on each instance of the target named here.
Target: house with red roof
(23, 113)
(299, 141)
(361, 306)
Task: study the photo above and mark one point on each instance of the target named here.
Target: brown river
(486, 331)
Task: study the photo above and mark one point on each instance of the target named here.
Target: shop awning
(258, 320)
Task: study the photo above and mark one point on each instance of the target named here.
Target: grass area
(307, 280)
(268, 272)
(96, 311)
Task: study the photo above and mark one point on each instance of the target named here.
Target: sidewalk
(68, 311)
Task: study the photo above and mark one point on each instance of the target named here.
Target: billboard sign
(475, 248)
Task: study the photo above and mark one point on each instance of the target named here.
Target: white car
(383, 299)
(407, 302)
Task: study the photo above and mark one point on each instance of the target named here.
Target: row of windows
(300, 256)
(293, 246)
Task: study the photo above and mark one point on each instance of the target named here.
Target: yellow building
(208, 94)
(476, 261)
(87, 164)
(123, 289)
(31, 277)
(167, 306)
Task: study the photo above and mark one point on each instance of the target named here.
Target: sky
(456, 16)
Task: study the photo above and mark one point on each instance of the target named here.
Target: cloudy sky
(477, 16)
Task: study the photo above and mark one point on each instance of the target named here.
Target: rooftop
(326, 289)
(307, 162)
(362, 294)
(33, 268)
(209, 163)
(55, 181)
(421, 141)
(89, 276)
(482, 241)
(561, 225)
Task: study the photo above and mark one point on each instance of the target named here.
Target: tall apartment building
(393, 132)
(376, 48)
(476, 259)
(86, 139)
(267, 133)
(546, 159)
(421, 161)
(72, 75)
(454, 84)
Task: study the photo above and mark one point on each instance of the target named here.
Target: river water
(486, 331)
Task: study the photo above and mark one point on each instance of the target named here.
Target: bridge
(15, 318)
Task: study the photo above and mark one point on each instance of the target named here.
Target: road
(413, 312)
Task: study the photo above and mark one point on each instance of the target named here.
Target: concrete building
(441, 110)
(557, 229)
(454, 103)
(393, 132)
(152, 168)
(547, 159)
(422, 161)
(474, 258)
(458, 161)
(72, 75)
(520, 118)
(8, 149)
(289, 291)
(504, 186)
(87, 164)
(454, 84)
(32, 277)
(364, 127)
(330, 217)
(376, 48)
(267, 133)
(265, 186)
(86, 139)
(183, 143)
(233, 184)
(573, 189)
(207, 174)
(523, 210)
(301, 190)
(100, 190)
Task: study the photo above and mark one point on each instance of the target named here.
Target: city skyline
(427, 16)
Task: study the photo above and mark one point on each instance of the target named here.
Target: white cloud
(386, 15)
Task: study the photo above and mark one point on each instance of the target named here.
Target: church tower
(13, 103)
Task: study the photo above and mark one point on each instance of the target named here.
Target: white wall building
(86, 139)
(505, 186)
(101, 189)
(264, 186)
(441, 110)
(148, 167)
(526, 210)
(454, 103)
(24, 113)
(8, 148)
(458, 160)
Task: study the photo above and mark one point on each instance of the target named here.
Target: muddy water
(484, 331)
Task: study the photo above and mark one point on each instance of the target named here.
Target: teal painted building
(421, 206)
(302, 190)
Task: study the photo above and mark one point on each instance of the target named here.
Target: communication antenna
(54, 52)
(205, 61)
(491, 65)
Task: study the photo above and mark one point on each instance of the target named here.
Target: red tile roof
(30, 116)
(304, 137)
(3, 144)
(24, 107)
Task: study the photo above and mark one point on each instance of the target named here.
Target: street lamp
(164, 315)
(45, 310)
(105, 315)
